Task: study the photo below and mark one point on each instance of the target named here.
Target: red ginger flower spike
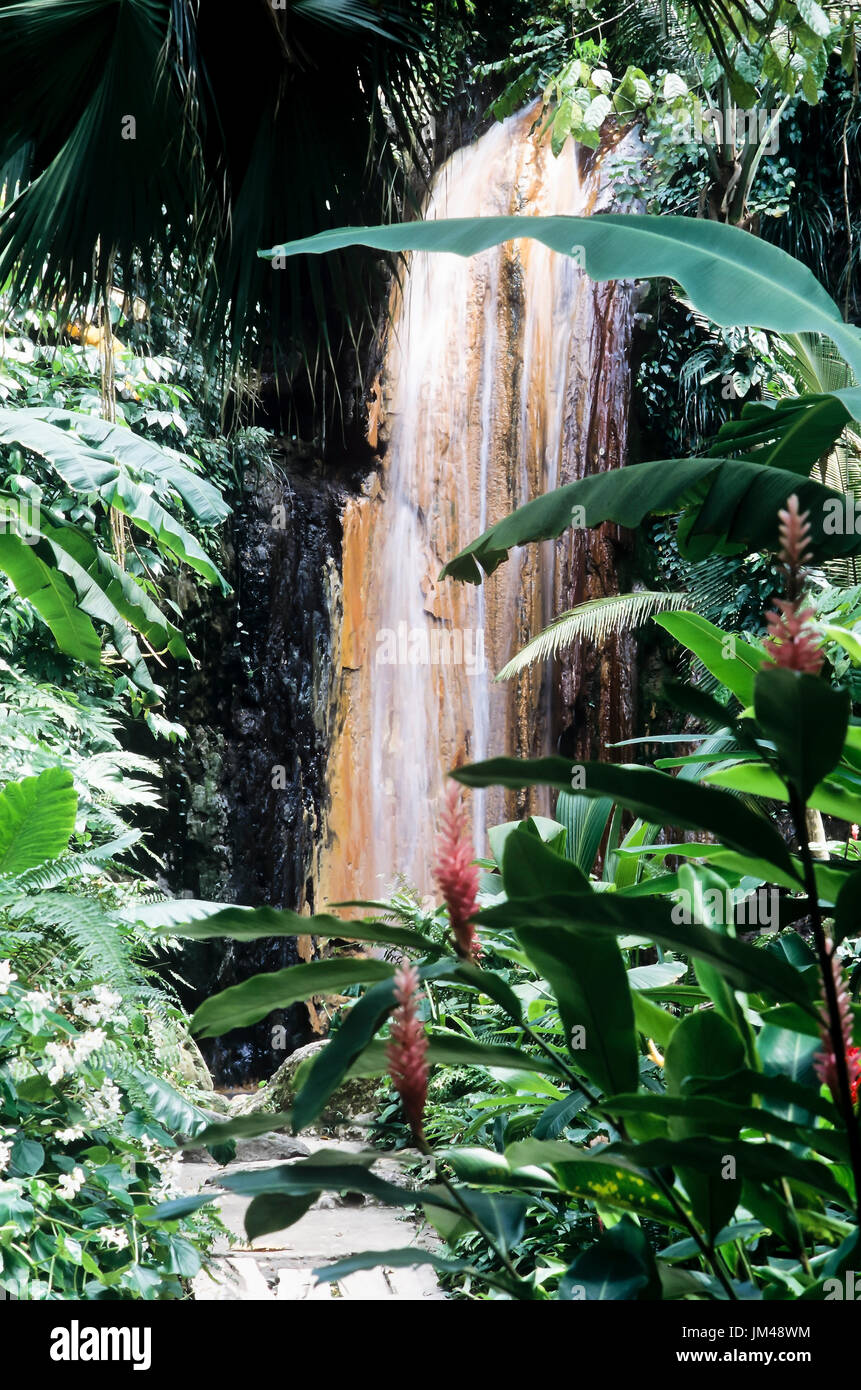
(794, 535)
(407, 1049)
(792, 641)
(457, 876)
(825, 1062)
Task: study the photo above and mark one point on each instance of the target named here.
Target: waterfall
(504, 376)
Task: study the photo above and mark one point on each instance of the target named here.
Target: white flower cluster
(68, 1136)
(61, 1059)
(38, 1001)
(114, 1236)
(70, 1184)
(102, 1009)
(7, 975)
(104, 1106)
(5, 1155)
(169, 1168)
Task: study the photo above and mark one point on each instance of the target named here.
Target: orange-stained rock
(505, 375)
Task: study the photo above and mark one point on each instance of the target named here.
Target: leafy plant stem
(835, 1030)
(470, 1215)
(684, 1220)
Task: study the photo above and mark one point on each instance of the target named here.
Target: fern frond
(68, 866)
(94, 934)
(594, 621)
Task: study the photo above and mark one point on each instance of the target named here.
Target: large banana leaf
(104, 471)
(52, 597)
(150, 461)
(735, 502)
(731, 277)
(794, 433)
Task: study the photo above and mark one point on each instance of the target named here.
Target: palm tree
(146, 141)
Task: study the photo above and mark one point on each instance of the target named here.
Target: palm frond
(594, 621)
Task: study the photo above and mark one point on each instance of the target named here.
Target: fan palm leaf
(139, 145)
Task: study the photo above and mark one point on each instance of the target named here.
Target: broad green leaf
(735, 503)
(619, 1266)
(585, 820)
(793, 433)
(150, 461)
(586, 975)
(654, 796)
(550, 831)
(249, 1002)
(395, 1259)
(456, 1050)
(705, 1044)
(608, 1181)
(52, 597)
(847, 910)
(836, 796)
(806, 718)
(733, 281)
(767, 1163)
(254, 923)
(732, 660)
(37, 817)
(274, 1211)
(143, 509)
(745, 967)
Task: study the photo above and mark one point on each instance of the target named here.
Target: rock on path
(279, 1266)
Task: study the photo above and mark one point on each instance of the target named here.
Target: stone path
(279, 1266)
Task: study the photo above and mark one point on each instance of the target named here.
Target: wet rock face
(246, 789)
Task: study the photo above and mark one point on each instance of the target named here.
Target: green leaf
(27, 1156)
(847, 910)
(767, 1163)
(587, 976)
(619, 1266)
(806, 718)
(734, 503)
(705, 1044)
(275, 1211)
(733, 281)
(585, 820)
(540, 827)
(37, 817)
(129, 450)
(559, 1114)
(395, 1259)
(164, 1103)
(218, 1132)
(255, 923)
(455, 1050)
(654, 796)
(745, 967)
(51, 596)
(329, 1068)
(736, 669)
(247, 1003)
(608, 1181)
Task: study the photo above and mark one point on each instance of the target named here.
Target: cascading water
(505, 375)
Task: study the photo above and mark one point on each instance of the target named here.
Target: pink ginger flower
(825, 1061)
(792, 640)
(407, 1049)
(457, 876)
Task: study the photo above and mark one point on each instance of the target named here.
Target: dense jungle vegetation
(618, 1059)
